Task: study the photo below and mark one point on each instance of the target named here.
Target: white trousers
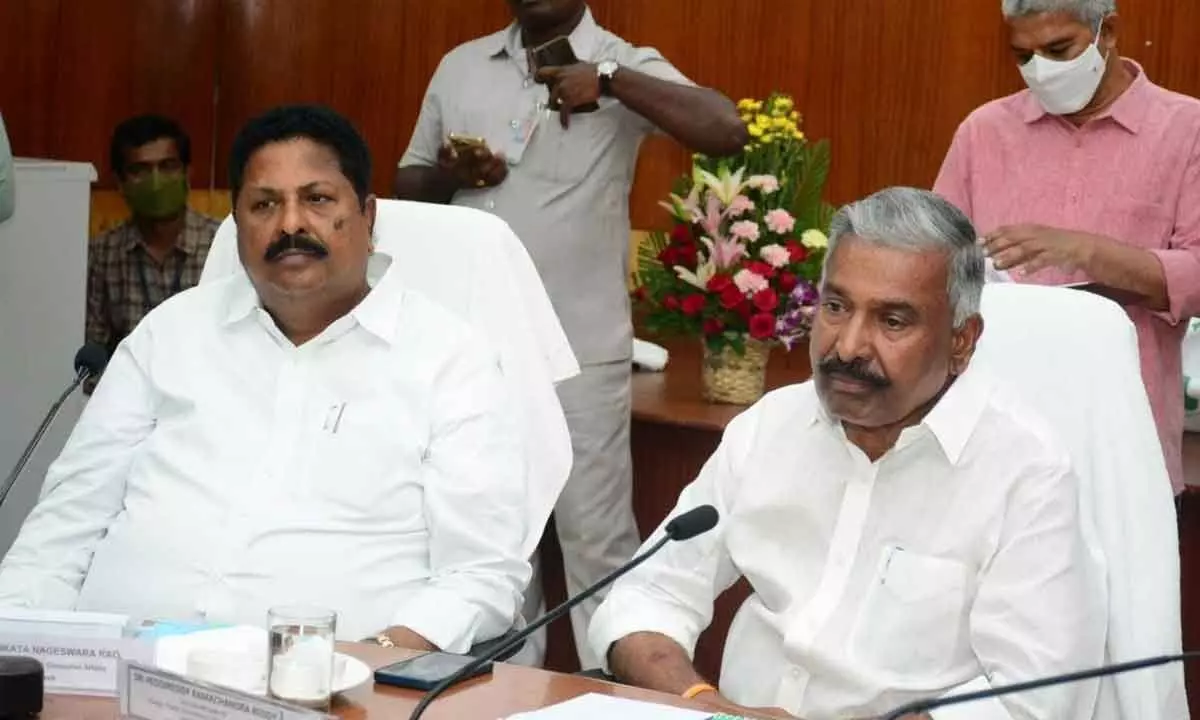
(594, 514)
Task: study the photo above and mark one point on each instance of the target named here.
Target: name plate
(79, 666)
(148, 693)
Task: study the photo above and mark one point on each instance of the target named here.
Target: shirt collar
(378, 312)
(585, 40)
(1129, 110)
(951, 421)
(188, 241)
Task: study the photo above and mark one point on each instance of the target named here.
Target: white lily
(726, 186)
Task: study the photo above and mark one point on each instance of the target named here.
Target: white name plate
(78, 666)
(151, 694)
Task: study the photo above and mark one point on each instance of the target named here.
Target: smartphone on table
(425, 671)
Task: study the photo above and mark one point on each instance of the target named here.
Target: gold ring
(480, 183)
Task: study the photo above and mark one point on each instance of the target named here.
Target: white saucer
(171, 654)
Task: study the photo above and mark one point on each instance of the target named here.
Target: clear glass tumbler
(300, 669)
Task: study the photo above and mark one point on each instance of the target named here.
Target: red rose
(640, 294)
(682, 235)
(693, 304)
(713, 326)
(787, 282)
(687, 256)
(718, 283)
(762, 326)
(731, 297)
(671, 302)
(798, 252)
(667, 256)
(745, 309)
(766, 300)
(761, 268)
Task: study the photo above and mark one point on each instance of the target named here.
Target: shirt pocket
(569, 155)
(913, 619)
(364, 463)
(1137, 223)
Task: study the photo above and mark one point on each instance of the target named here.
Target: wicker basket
(727, 377)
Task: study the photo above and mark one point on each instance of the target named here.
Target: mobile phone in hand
(558, 53)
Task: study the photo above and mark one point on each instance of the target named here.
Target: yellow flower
(747, 119)
(755, 131)
(745, 105)
(748, 148)
(798, 135)
(780, 123)
(768, 138)
(814, 239)
(784, 104)
(763, 121)
(794, 116)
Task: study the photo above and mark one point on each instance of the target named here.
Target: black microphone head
(91, 358)
(696, 521)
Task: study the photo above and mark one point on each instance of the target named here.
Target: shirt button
(514, 124)
(525, 84)
(491, 204)
(796, 673)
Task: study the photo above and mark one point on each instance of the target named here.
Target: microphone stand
(11, 480)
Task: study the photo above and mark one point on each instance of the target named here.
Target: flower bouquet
(740, 266)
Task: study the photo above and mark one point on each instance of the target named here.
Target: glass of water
(300, 669)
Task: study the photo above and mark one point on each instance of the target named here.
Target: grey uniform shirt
(567, 191)
(7, 189)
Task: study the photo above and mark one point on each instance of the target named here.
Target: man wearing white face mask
(1092, 175)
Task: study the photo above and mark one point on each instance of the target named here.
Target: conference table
(674, 432)
(510, 689)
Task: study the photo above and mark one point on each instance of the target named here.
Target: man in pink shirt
(1091, 175)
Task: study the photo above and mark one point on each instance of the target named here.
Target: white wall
(43, 276)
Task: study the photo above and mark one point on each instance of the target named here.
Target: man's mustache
(295, 241)
(856, 369)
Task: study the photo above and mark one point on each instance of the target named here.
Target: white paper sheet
(605, 707)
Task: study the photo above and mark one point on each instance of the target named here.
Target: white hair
(1088, 12)
(918, 220)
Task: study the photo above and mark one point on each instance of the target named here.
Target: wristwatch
(606, 70)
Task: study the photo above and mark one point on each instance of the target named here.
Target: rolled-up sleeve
(1041, 606)
(673, 592)
(1181, 258)
(84, 488)
(473, 479)
(429, 131)
(8, 193)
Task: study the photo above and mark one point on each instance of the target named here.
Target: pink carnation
(745, 230)
(766, 183)
(780, 221)
(740, 206)
(750, 282)
(776, 255)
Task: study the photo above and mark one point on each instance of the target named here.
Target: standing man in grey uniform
(8, 194)
(559, 172)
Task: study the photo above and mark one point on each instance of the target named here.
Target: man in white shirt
(307, 432)
(908, 528)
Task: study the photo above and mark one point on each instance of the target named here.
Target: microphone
(89, 362)
(923, 706)
(694, 522)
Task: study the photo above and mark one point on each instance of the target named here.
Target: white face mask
(1065, 87)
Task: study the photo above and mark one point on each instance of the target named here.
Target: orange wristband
(696, 689)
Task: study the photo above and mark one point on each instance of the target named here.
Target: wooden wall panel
(886, 80)
(372, 64)
(79, 67)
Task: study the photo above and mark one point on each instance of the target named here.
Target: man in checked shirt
(161, 249)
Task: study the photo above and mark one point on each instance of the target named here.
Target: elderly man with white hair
(908, 528)
(1092, 176)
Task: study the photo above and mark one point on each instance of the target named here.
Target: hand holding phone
(471, 162)
(570, 82)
